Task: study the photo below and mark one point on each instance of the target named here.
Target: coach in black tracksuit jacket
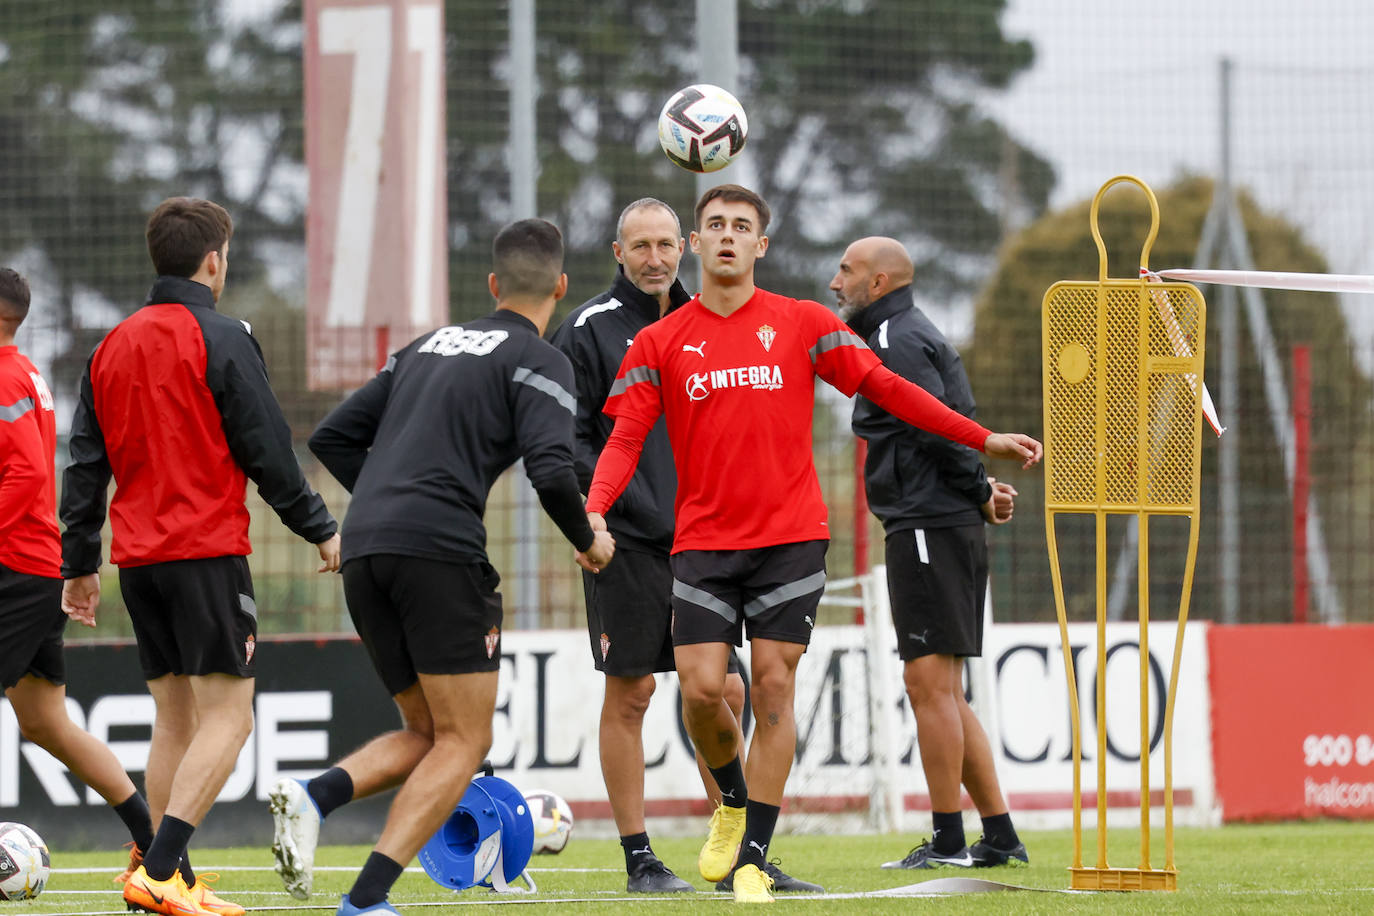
(915, 479)
(595, 337)
(933, 498)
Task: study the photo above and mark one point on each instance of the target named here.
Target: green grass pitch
(1324, 867)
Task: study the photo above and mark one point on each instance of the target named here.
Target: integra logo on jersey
(766, 378)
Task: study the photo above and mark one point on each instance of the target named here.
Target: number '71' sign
(376, 218)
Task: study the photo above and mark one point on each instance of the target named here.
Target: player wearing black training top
(420, 447)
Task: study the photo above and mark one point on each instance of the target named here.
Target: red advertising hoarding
(377, 214)
(1293, 721)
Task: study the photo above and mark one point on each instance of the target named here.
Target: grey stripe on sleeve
(812, 583)
(11, 412)
(836, 339)
(633, 377)
(548, 386)
(703, 599)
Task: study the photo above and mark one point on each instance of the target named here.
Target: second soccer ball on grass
(553, 821)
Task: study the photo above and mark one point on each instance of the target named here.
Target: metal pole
(523, 169)
(1228, 456)
(718, 51)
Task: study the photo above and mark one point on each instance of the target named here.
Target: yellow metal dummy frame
(1123, 433)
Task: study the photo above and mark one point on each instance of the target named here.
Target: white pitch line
(414, 869)
(925, 889)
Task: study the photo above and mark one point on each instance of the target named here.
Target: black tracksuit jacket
(915, 479)
(421, 444)
(595, 337)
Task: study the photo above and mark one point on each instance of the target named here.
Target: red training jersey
(737, 395)
(29, 541)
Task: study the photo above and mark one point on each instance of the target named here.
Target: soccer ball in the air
(702, 128)
(24, 862)
(553, 821)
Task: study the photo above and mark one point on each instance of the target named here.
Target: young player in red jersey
(32, 669)
(732, 372)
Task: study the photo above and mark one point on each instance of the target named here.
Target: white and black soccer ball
(24, 862)
(702, 128)
(553, 821)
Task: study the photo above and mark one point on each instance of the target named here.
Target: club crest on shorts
(249, 645)
(492, 638)
(766, 336)
(605, 646)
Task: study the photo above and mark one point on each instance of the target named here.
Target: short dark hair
(14, 296)
(182, 231)
(735, 194)
(644, 203)
(527, 257)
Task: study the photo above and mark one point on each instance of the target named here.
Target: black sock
(168, 846)
(730, 779)
(636, 846)
(133, 811)
(330, 790)
(188, 874)
(949, 832)
(998, 831)
(759, 822)
(374, 881)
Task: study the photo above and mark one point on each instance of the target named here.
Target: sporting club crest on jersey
(605, 646)
(493, 638)
(766, 336)
(249, 645)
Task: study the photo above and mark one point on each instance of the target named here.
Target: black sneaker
(986, 855)
(782, 881)
(925, 856)
(651, 876)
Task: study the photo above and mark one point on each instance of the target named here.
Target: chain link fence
(949, 125)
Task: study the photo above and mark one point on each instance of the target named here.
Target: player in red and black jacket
(32, 668)
(175, 405)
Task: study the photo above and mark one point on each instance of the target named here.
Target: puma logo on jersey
(40, 387)
(699, 349)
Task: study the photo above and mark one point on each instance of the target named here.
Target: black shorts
(418, 616)
(192, 617)
(31, 620)
(764, 592)
(936, 580)
(629, 615)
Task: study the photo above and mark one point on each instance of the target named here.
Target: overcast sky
(1125, 86)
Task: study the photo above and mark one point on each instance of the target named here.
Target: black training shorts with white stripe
(936, 580)
(764, 592)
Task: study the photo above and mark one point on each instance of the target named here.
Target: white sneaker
(295, 834)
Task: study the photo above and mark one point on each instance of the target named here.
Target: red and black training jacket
(175, 404)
